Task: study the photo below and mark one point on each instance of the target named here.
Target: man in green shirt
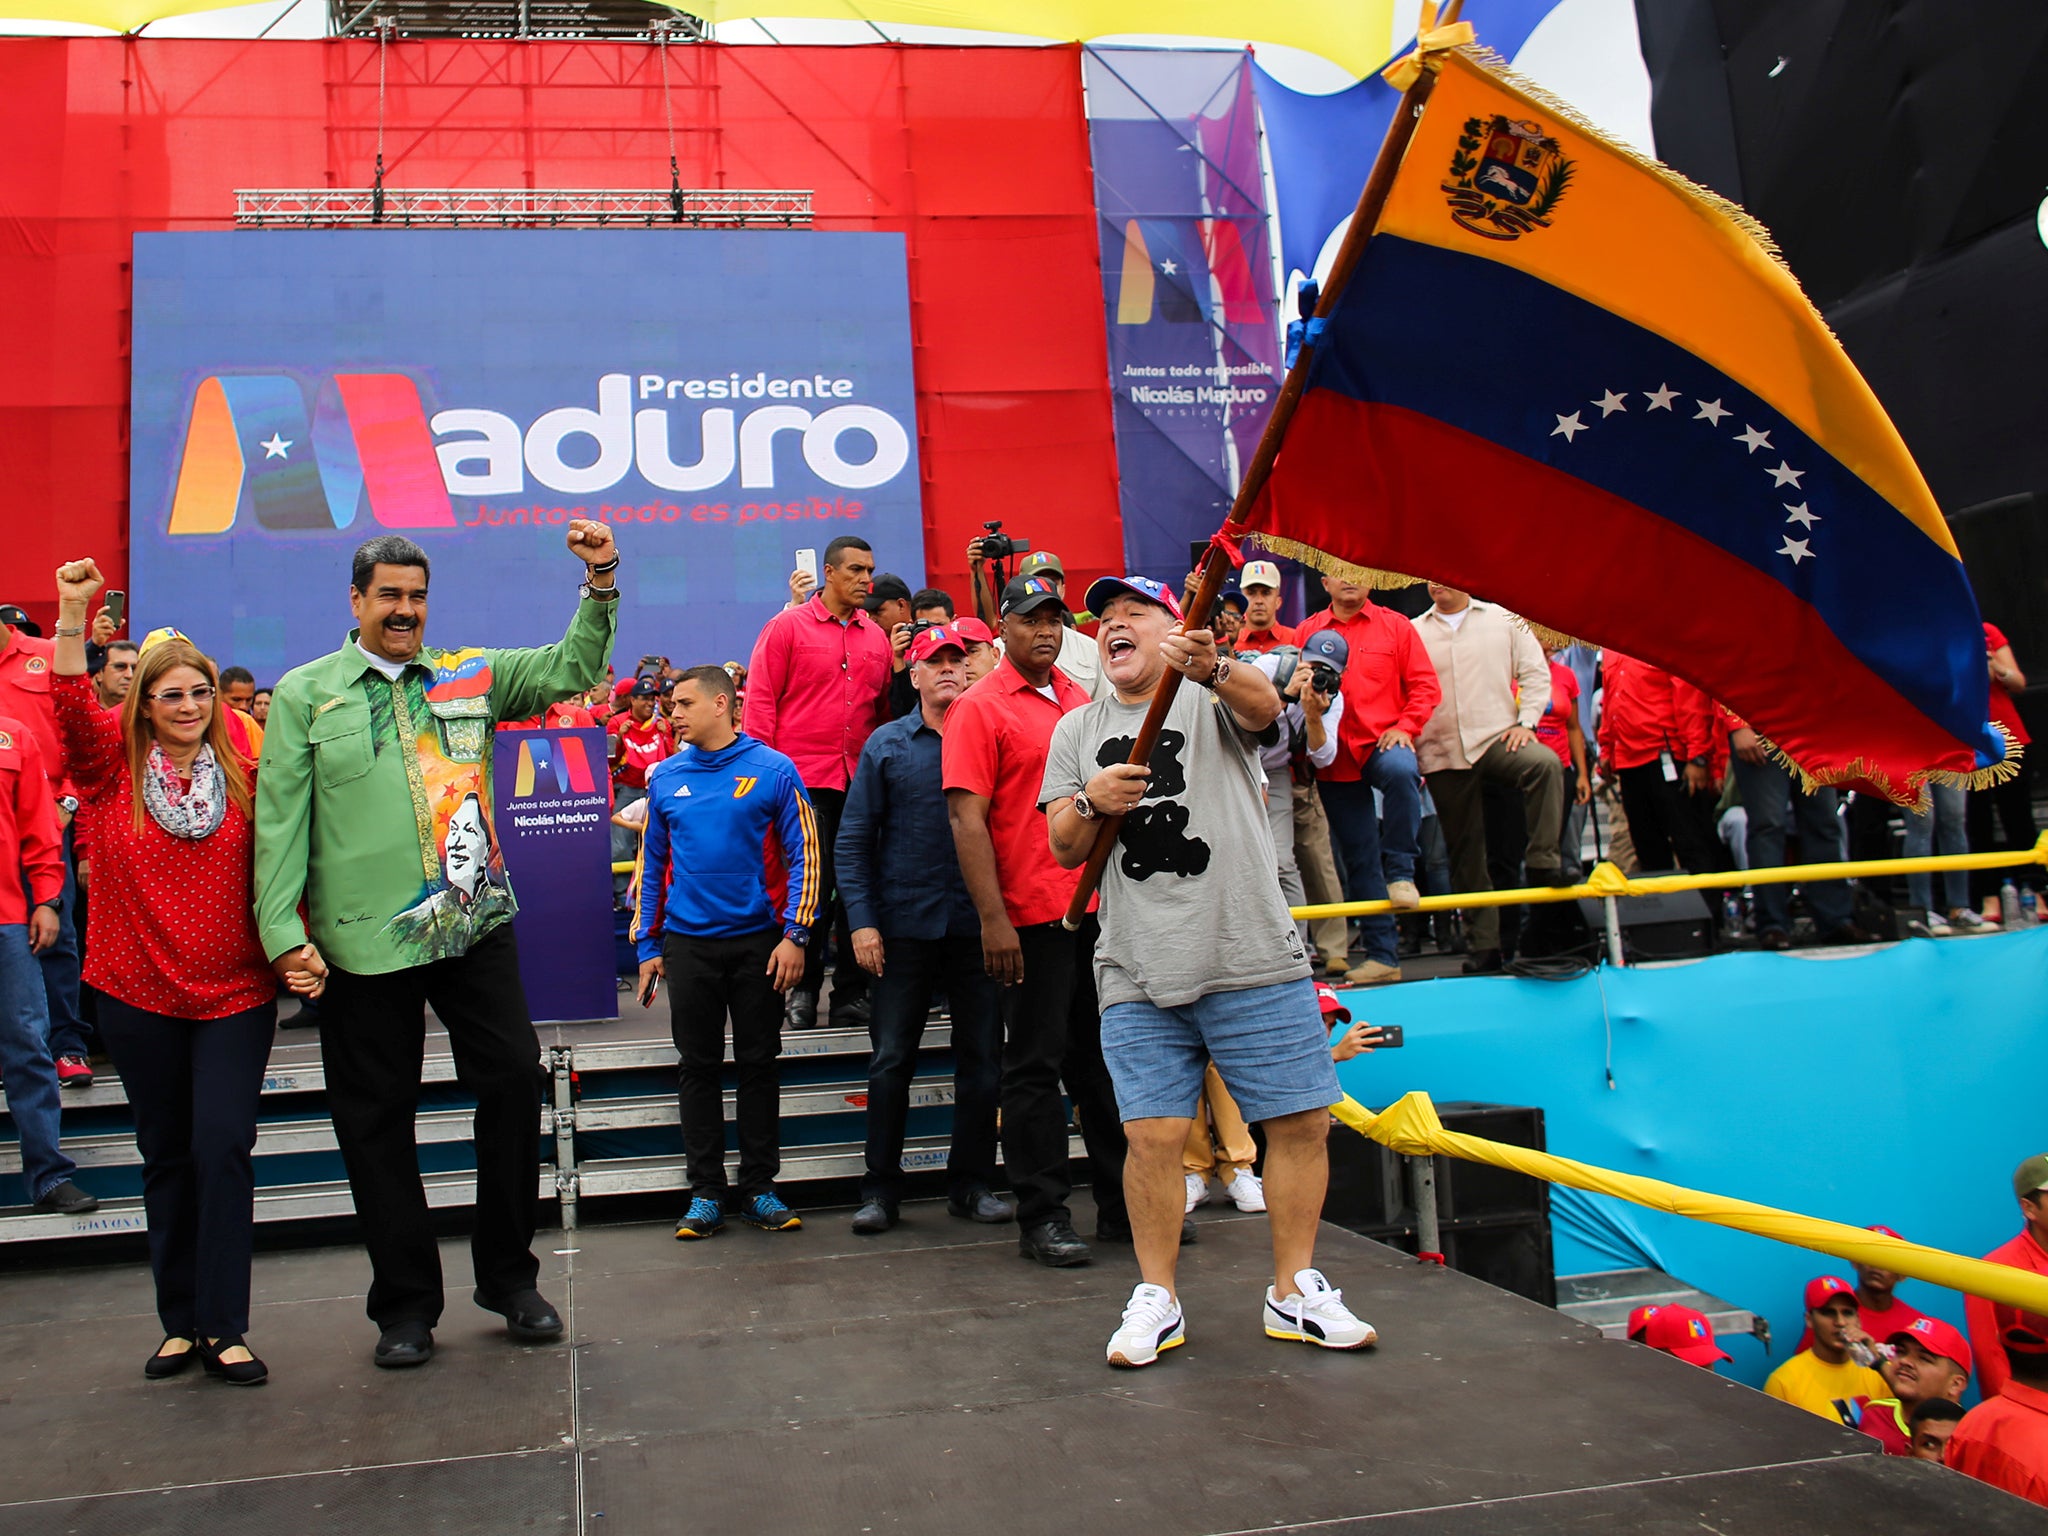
(373, 804)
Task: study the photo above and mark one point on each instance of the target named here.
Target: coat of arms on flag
(1506, 176)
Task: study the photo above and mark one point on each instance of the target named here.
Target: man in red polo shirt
(1390, 691)
(817, 686)
(1262, 630)
(997, 734)
(2029, 1250)
(2003, 1441)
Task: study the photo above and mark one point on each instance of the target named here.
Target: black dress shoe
(1117, 1229)
(982, 1205)
(851, 1015)
(1850, 933)
(528, 1316)
(872, 1218)
(161, 1367)
(1487, 962)
(801, 1010)
(1054, 1244)
(66, 1199)
(251, 1372)
(1774, 939)
(403, 1345)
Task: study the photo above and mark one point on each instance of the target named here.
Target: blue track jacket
(709, 817)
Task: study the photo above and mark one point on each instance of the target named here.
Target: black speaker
(1675, 925)
(1367, 1193)
(1512, 1255)
(1468, 1191)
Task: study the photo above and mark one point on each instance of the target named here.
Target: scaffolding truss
(509, 207)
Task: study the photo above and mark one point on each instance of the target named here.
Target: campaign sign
(722, 399)
(554, 823)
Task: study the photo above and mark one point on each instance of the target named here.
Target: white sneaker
(1317, 1315)
(1938, 926)
(1152, 1322)
(1245, 1191)
(1198, 1190)
(1963, 920)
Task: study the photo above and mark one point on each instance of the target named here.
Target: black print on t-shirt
(1155, 836)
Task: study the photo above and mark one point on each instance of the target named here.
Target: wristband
(598, 594)
(63, 633)
(607, 568)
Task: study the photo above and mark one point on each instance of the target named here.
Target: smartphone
(116, 608)
(648, 990)
(1392, 1037)
(1198, 551)
(807, 562)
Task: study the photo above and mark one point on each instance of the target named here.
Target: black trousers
(194, 1085)
(372, 1033)
(912, 971)
(1670, 828)
(849, 981)
(707, 980)
(1053, 1033)
(1998, 818)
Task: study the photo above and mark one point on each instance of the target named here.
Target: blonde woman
(187, 997)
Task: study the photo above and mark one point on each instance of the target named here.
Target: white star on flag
(1710, 410)
(1168, 267)
(1797, 549)
(1661, 397)
(274, 449)
(1567, 425)
(1785, 474)
(1801, 516)
(1609, 403)
(1754, 438)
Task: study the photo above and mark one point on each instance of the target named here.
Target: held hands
(42, 930)
(302, 970)
(651, 972)
(78, 581)
(1117, 790)
(867, 949)
(592, 543)
(1191, 653)
(786, 965)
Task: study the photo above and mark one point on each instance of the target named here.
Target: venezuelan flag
(1567, 380)
(463, 674)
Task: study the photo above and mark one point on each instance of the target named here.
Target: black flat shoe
(528, 1316)
(1054, 1244)
(161, 1367)
(251, 1372)
(403, 1345)
(66, 1199)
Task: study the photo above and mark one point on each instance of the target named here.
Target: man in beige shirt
(1496, 684)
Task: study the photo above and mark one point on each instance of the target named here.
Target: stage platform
(924, 1381)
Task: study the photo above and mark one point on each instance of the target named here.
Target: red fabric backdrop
(978, 156)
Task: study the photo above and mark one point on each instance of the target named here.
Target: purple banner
(554, 828)
(1194, 352)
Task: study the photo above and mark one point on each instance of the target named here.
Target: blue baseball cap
(1105, 590)
(1328, 647)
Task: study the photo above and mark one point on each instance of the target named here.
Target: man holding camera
(1077, 652)
(1313, 707)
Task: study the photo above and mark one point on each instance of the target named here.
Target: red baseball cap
(971, 628)
(1938, 1338)
(938, 638)
(1677, 1331)
(1333, 1007)
(2026, 1335)
(1825, 1289)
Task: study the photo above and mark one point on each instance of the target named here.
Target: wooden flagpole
(1216, 564)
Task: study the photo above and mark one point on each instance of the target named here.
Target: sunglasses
(176, 696)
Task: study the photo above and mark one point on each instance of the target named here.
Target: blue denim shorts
(1268, 1043)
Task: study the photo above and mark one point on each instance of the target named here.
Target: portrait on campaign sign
(722, 398)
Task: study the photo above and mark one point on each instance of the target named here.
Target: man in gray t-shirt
(1198, 959)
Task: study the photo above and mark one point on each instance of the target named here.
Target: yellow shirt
(1805, 1381)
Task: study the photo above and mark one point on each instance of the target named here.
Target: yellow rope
(1411, 1126)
